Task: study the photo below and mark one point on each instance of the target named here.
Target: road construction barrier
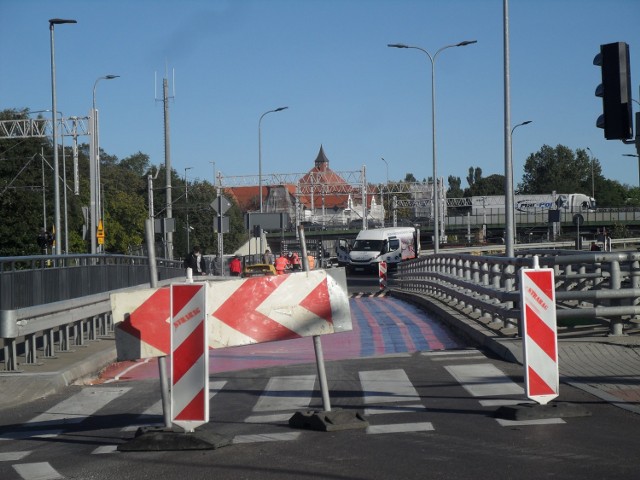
(239, 312)
(382, 274)
(189, 357)
(540, 338)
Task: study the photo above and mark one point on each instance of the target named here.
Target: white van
(392, 245)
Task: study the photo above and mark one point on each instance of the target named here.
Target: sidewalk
(606, 367)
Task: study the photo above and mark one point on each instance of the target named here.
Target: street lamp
(260, 150)
(593, 185)
(186, 197)
(436, 213)
(94, 168)
(638, 157)
(387, 185)
(56, 168)
(513, 193)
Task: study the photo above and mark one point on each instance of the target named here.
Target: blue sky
(328, 61)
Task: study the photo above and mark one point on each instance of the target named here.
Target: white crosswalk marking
(266, 437)
(286, 393)
(386, 386)
(455, 355)
(401, 428)
(483, 380)
(381, 386)
(37, 471)
(80, 406)
(13, 456)
(73, 410)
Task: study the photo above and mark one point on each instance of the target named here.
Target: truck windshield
(367, 245)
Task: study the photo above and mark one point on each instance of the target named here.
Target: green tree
(559, 169)
(474, 176)
(491, 185)
(409, 178)
(454, 190)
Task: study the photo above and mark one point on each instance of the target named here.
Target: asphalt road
(423, 423)
(429, 415)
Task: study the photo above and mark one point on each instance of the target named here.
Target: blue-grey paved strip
(367, 348)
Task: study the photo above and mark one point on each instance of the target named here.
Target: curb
(509, 349)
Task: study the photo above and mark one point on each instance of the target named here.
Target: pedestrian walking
(267, 258)
(195, 262)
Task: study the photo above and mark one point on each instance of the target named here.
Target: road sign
(221, 205)
(189, 357)
(239, 312)
(100, 232)
(540, 338)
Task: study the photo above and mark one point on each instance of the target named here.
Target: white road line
(13, 456)
(36, 471)
(105, 449)
(383, 386)
(401, 428)
(286, 393)
(461, 358)
(394, 409)
(542, 421)
(484, 380)
(275, 418)
(74, 409)
(451, 353)
(266, 437)
(80, 406)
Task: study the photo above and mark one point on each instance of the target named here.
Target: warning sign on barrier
(189, 357)
(239, 312)
(540, 338)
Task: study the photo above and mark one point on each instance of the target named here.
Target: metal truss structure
(42, 127)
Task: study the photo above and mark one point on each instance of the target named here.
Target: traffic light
(615, 91)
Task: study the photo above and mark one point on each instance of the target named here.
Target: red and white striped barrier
(382, 273)
(189, 357)
(239, 312)
(540, 339)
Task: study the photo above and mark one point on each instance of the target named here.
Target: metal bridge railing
(602, 287)
(35, 280)
(53, 303)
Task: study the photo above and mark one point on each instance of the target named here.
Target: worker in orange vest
(235, 266)
(281, 264)
(296, 262)
(312, 261)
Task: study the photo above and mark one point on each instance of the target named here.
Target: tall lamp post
(186, 198)
(593, 184)
(260, 150)
(94, 169)
(56, 168)
(527, 122)
(387, 184)
(432, 59)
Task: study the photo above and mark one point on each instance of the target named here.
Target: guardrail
(58, 302)
(600, 286)
(35, 280)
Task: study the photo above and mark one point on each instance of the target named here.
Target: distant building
(321, 196)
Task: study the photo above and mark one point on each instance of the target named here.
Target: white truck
(392, 245)
(567, 202)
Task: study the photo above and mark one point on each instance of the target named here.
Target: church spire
(322, 162)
